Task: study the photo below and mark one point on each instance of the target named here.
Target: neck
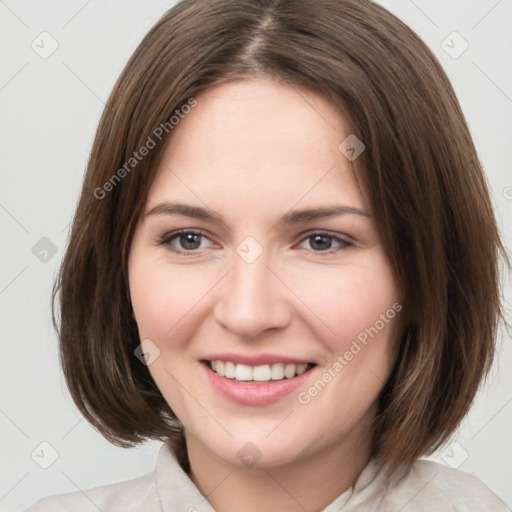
(310, 483)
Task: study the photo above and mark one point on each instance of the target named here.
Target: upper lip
(256, 360)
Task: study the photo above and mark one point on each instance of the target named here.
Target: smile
(259, 384)
(260, 373)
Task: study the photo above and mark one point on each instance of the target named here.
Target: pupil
(321, 242)
(190, 241)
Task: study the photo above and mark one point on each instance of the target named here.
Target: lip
(256, 360)
(253, 394)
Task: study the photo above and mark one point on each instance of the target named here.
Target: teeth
(289, 370)
(243, 372)
(229, 370)
(263, 373)
(277, 371)
(301, 368)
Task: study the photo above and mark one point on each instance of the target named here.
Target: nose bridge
(250, 299)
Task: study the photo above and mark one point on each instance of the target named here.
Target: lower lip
(254, 394)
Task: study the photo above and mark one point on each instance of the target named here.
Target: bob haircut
(420, 170)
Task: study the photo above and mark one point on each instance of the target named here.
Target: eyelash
(169, 237)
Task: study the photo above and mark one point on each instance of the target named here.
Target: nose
(251, 299)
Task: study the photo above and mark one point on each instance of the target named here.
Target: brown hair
(426, 186)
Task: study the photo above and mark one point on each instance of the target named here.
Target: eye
(184, 241)
(189, 241)
(325, 242)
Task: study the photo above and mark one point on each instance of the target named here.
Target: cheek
(361, 306)
(165, 298)
(350, 299)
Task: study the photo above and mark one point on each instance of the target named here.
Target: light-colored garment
(428, 487)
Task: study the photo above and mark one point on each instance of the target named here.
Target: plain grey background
(59, 62)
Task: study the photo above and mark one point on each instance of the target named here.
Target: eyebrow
(292, 217)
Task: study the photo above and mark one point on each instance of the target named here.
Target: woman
(284, 265)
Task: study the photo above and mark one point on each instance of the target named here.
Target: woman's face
(259, 284)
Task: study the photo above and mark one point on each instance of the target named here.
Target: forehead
(257, 145)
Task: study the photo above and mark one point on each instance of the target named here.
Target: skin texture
(252, 151)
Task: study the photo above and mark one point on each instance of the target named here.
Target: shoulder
(433, 486)
(136, 494)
